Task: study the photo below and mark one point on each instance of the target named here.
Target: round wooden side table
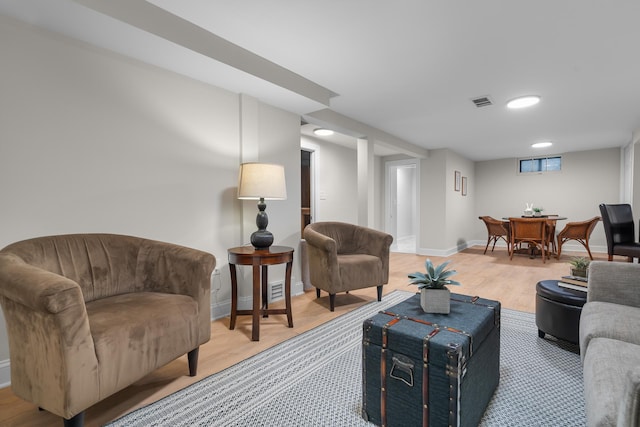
(260, 259)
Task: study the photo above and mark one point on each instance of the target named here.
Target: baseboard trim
(5, 373)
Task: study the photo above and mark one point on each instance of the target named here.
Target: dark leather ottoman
(558, 310)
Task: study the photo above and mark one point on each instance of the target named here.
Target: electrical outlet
(216, 271)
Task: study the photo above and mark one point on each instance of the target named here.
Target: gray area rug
(314, 379)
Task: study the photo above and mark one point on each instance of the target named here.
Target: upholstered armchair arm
(174, 269)
(164, 267)
(377, 243)
(48, 327)
(615, 282)
(323, 257)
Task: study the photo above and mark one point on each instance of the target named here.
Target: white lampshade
(261, 180)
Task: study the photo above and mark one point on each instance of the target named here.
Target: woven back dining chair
(496, 230)
(579, 231)
(530, 231)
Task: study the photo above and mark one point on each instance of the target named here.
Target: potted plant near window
(434, 294)
(579, 266)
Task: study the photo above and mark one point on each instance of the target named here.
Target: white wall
(587, 179)
(337, 184)
(94, 142)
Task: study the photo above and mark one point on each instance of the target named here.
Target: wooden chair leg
(332, 301)
(75, 421)
(192, 357)
(317, 292)
(379, 288)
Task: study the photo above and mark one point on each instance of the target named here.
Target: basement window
(540, 164)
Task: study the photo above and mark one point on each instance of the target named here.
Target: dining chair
(551, 232)
(532, 231)
(619, 229)
(579, 231)
(496, 230)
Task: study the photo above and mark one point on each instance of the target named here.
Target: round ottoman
(558, 310)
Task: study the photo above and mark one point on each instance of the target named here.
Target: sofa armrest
(629, 410)
(614, 282)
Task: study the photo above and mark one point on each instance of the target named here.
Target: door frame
(390, 193)
(314, 162)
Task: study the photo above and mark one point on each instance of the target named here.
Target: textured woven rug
(314, 379)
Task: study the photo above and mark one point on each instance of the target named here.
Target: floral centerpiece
(434, 294)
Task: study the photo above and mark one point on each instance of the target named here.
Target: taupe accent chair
(89, 314)
(579, 231)
(496, 230)
(344, 257)
(533, 232)
(619, 229)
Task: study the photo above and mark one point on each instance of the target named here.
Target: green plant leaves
(436, 277)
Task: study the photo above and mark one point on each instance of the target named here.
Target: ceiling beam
(155, 20)
(343, 124)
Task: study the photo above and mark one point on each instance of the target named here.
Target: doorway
(402, 204)
(305, 186)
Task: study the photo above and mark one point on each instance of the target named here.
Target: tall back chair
(345, 257)
(496, 230)
(620, 231)
(579, 231)
(532, 231)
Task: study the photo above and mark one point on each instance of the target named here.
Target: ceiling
(408, 68)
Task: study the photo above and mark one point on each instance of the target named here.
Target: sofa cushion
(608, 320)
(611, 368)
(138, 332)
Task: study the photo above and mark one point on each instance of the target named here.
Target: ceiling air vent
(482, 101)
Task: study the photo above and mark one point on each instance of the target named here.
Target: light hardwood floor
(491, 276)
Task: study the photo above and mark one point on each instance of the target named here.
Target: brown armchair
(579, 231)
(496, 230)
(89, 314)
(344, 257)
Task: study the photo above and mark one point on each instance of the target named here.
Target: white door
(402, 202)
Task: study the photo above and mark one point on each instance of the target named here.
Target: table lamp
(261, 181)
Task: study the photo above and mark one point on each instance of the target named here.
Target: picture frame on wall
(464, 185)
(457, 178)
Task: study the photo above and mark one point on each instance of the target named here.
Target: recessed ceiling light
(523, 101)
(542, 144)
(323, 132)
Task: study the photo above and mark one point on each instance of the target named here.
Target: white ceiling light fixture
(323, 132)
(523, 102)
(543, 144)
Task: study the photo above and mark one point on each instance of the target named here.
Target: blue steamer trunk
(424, 369)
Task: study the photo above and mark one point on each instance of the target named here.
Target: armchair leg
(192, 356)
(379, 288)
(332, 301)
(317, 292)
(76, 421)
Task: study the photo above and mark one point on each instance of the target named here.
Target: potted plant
(537, 211)
(579, 266)
(434, 294)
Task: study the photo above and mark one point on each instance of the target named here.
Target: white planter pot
(435, 300)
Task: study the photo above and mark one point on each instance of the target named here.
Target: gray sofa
(610, 344)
